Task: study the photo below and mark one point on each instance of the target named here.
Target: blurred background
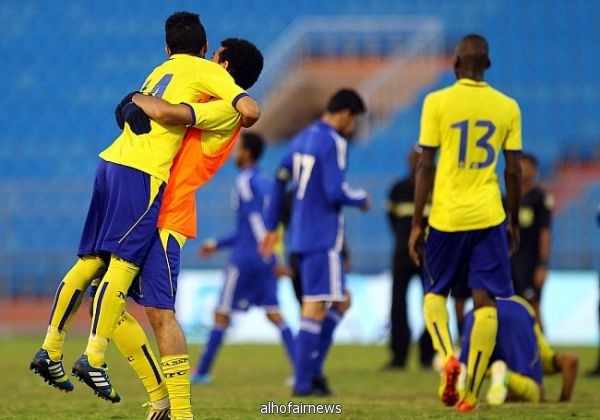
(67, 64)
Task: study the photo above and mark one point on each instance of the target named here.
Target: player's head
(471, 57)
(343, 111)
(249, 149)
(185, 34)
(242, 60)
(529, 168)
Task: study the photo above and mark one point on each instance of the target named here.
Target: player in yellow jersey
(125, 203)
(470, 123)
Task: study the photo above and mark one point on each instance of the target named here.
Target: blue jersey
(251, 190)
(316, 162)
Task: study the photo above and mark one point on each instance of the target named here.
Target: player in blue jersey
(250, 278)
(316, 162)
(521, 356)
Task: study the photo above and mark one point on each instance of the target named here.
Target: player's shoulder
(543, 197)
(508, 100)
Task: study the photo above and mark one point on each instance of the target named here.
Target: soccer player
(123, 212)
(316, 161)
(521, 356)
(202, 153)
(530, 262)
(470, 123)
(400, 207)
(249, 279)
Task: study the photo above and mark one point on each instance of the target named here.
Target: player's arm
(251, 205)
(274, 209)
(336, 189)
(512, 176)
(212, 245)
(544, 217)
(568, 365)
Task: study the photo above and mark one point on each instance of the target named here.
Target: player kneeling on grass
(249, 279)
(520, 357)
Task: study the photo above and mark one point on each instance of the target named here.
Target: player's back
(317, 220)
(470, 123)
(182, 78)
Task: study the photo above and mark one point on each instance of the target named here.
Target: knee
(159, 318)
(481, 298)
(274, 317)
(314, 310)
(221, 320)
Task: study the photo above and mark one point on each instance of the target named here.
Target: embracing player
(470, 123)
(316, 161)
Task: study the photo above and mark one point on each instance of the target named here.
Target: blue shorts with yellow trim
(156, 285)
(484, 252)
(516, 342)
(123, 212)
(249, 285)
(323, 276)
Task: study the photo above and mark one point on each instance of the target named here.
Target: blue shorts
(247, 286)
(516, 343)
(484, 252)
(123, 212)
(156, 285)
(323, 276)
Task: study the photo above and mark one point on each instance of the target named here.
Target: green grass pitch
(250, 375)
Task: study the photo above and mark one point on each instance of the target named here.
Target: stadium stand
(68, 64)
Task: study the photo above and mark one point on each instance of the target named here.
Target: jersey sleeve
(216, 115)
(251, 206)
(429, 136)
(544, 210)
(513, 141)
(334, 171)
(217, 82)
(282, 177)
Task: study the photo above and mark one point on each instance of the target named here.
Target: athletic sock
(288, 340)
(482, 343)
(176, 369)
(330, 322)
(307, 350)
(436, 321)
(523, 387)
(133, 344)
(67, 301)
(210, 350)
(109, 304)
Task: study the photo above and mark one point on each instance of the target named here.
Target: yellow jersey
(470, 123)
(182, 78)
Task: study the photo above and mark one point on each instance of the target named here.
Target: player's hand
(366, 205)
(207, 249)
(138, 121)
(514, 237)
(539, 275)
(267, 245)
(415, 244)
(119, 109)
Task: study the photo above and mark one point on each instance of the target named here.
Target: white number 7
(303, 166)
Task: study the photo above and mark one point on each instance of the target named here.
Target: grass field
(247, 376)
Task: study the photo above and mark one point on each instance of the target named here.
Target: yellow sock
(483, 341)
(436, 321)
(109, 304)
(67, 300)
(524, 388)
(176, 369)
(131, 341)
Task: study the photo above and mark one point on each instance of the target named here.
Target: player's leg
(489, 276)
(274, 315)
(400, 331)
(294, 260)
(307, 344)
(267, 299)
(215, 340)
(443, 256)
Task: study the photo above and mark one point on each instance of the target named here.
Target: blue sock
(329, 323)
(306, 353)
(288, 340)
(210, 350)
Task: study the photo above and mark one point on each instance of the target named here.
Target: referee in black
(400, 209)
(530, 262)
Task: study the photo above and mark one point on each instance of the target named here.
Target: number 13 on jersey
(482, 142)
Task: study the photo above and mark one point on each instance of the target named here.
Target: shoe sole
(82, 375)
(450, 394)
(41, 369)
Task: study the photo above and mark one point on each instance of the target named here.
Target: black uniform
(535, 214)
(400, 209)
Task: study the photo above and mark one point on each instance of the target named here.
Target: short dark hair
(530, 158)
(346, 99)
(254, 143)
(184, 33)
(245, 61)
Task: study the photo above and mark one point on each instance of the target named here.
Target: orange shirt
(191, 169)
